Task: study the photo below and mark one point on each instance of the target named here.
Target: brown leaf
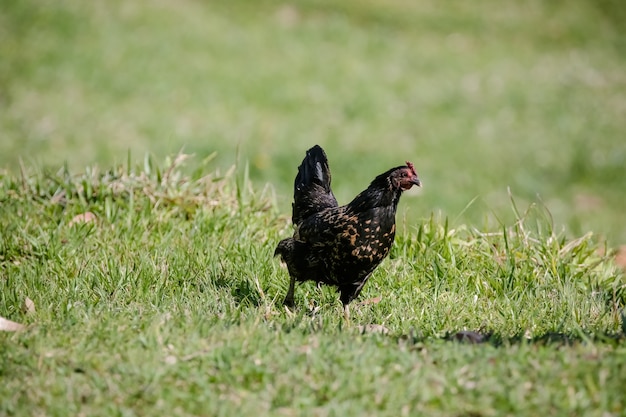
(374, 300)
(28, 307)
(373, 328)
(9, 326)
(85, 217)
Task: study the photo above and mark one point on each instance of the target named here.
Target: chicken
(340, 245)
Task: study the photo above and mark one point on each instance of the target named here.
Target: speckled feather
(341, 246)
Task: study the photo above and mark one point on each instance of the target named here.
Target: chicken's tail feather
(314, 169)
(312, 192)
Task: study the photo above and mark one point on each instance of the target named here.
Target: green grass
(169, 303)
(480, 96)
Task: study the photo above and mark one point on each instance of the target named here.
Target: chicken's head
(404, 178)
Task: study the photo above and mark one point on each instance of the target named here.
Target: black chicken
(340, 246)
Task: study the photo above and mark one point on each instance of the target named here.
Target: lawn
(168, 302)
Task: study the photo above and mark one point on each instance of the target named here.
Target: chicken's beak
(416, 181)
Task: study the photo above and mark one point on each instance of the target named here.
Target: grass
(528, 96)
(169, 302)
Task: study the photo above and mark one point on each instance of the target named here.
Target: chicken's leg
(288, 302)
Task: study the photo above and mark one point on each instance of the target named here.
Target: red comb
(411, 167)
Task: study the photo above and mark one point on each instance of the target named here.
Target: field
(179, 128)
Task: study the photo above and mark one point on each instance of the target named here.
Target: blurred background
(482, 96)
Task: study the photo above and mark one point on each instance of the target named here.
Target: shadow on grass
(243, 291)
(547, 339)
